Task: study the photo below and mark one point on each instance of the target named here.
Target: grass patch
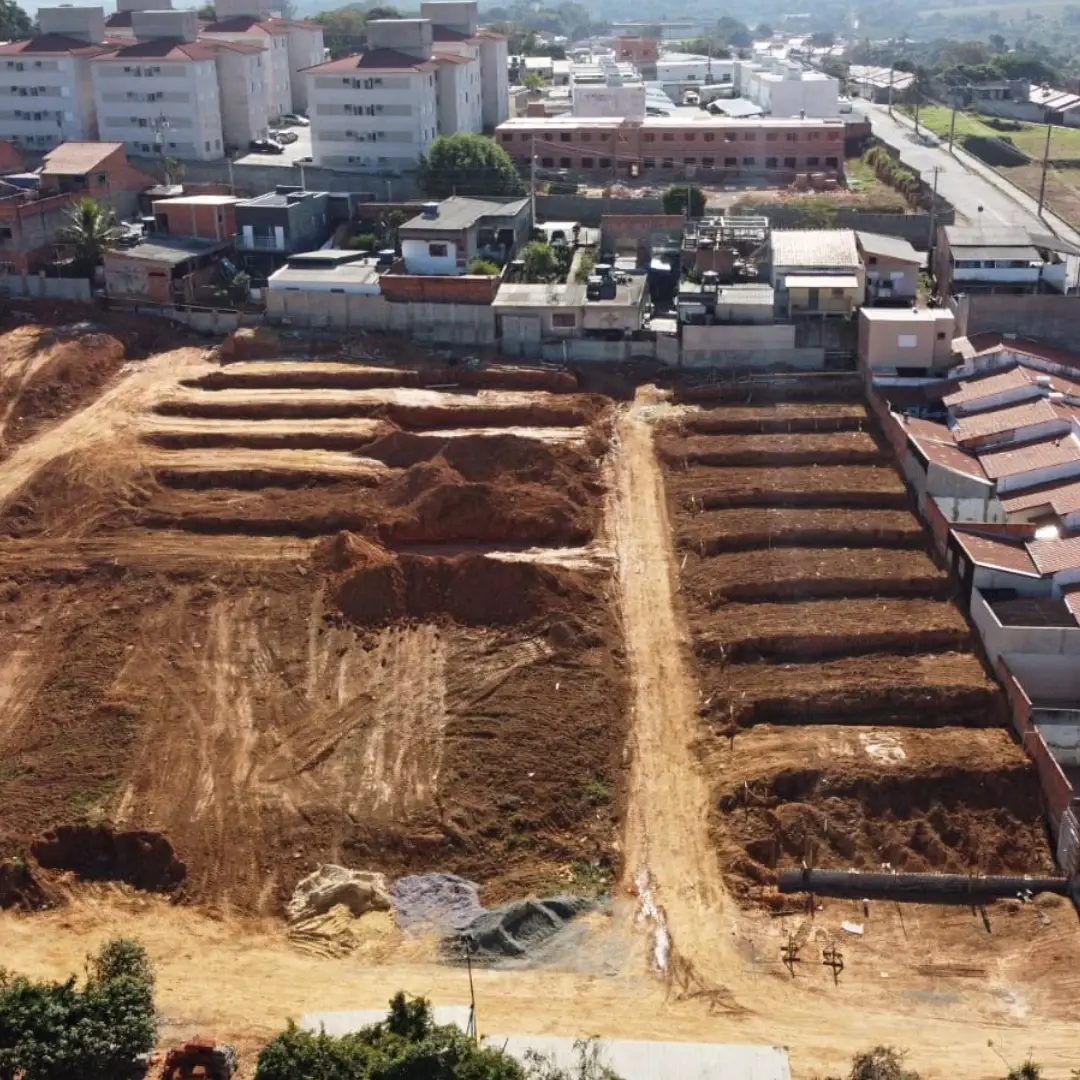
(591, 878)
(1028, 138)
(597, 792)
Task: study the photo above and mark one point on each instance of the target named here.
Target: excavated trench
(144, 860)
(950, 820)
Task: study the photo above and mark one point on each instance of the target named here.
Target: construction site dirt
(263, 616)
(399, 654)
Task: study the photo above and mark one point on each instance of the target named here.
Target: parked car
(265, 146)
(296, 121)
(286, 137)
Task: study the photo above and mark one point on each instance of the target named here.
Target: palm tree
(90, 232)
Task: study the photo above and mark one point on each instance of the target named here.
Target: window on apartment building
(565, 320)
(837, 293)
(710, 136)
(871, 260)
(605, 163)
(586, 137)
(731, 136)
(547, 162)
(813, 160)
(789, 163)
(507, 137)
(708, 162)
(438, 251)
(771, 136)
(831, 162)
(668, 136)
(770, 163)
(941, 335)
(730, 162)
(648, 138)
(526, 137)
(792, 136)
(564, 136)
(649, 163)
(749, 161)
(5, 233)
(813, 136)
(603, 136)
(667, 163)
(689, 137)
(564, 163)
(588, 163)
(689, 161)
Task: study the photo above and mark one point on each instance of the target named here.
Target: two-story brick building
(665, 147)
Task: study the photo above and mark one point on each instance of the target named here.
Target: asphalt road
(976, 191)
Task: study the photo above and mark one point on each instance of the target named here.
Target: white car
(296, 121)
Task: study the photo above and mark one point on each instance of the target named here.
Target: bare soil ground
(781, 418)
(276, 656)
(835, 448)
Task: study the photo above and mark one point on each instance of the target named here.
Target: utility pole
(1045, 166)
(892, 72)
(532, 177)
(933, 212)
(952, 126)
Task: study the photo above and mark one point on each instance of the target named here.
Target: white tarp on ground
(633, 1060)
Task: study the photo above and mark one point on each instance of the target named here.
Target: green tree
(533, 80)
(881, 1063)
(734, 32)
(206, 13)
(57, 1031)
(675, 200)
(541, 263)
(174, 170)
(234, 290)
(822, 39)
(485, 267)
(467, 165)
(763, 31)
(90, 232)
(14, 22)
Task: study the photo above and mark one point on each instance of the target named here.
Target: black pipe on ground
(925, 888)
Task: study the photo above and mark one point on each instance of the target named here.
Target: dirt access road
(678, 958)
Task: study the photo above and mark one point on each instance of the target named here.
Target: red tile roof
(163, 49)
(1062, 496)
(935, 443)
(994, 552)
(52, 43)
(375, 60)
(77, 158)
(452, 58)
(1050, 556)
(980, 386)
(1044, 454)
(991, 342)
(998, 421)
(494, 35)
(243, 24)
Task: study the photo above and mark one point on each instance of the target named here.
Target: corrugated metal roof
(461, 212)
(1000, 254)
(1051, 556)
(967, 236)
(998, 421)
(1044, 454)
(807, 248)
(821, 281)
(891, 247)
(996, 553)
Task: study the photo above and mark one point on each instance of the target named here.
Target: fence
(1019, 702)
(37, 287)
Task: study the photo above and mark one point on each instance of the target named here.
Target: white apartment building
(245, 114)
(46, 95)
(494, 78)
(118, 24)
(782, 88)
(292, 46)
(457, 49)
(378, 111)
(160, 96)
(678, 68)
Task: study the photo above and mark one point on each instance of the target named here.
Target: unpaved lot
(275, 654)
(182, 657)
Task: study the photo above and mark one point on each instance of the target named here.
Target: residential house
(816, 272)
(892, 268)
(166, 271)
(445, 237)
(999, 259)
(46, 95)
(208, 217)
(878, 84)
(906, 341)
(160, 95)
(377, 112)
(273, 227)
(529, 316)
(30, 219)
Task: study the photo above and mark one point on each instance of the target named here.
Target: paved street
(976, 191)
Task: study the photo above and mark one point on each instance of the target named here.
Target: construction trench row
(851, 724)
(322, 609)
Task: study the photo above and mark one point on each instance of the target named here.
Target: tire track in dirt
(669, 857)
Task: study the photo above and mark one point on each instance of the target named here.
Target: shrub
(362, 242)
(541, 265)
(675, 200)
(484, 266)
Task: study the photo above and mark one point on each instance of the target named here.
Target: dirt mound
(145, 860)
(249, 344)
(45, 375)
(378, 588)
(515, 930)
(19, 888)
(330, 886)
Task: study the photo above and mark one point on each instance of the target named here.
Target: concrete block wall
(1046, 317)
